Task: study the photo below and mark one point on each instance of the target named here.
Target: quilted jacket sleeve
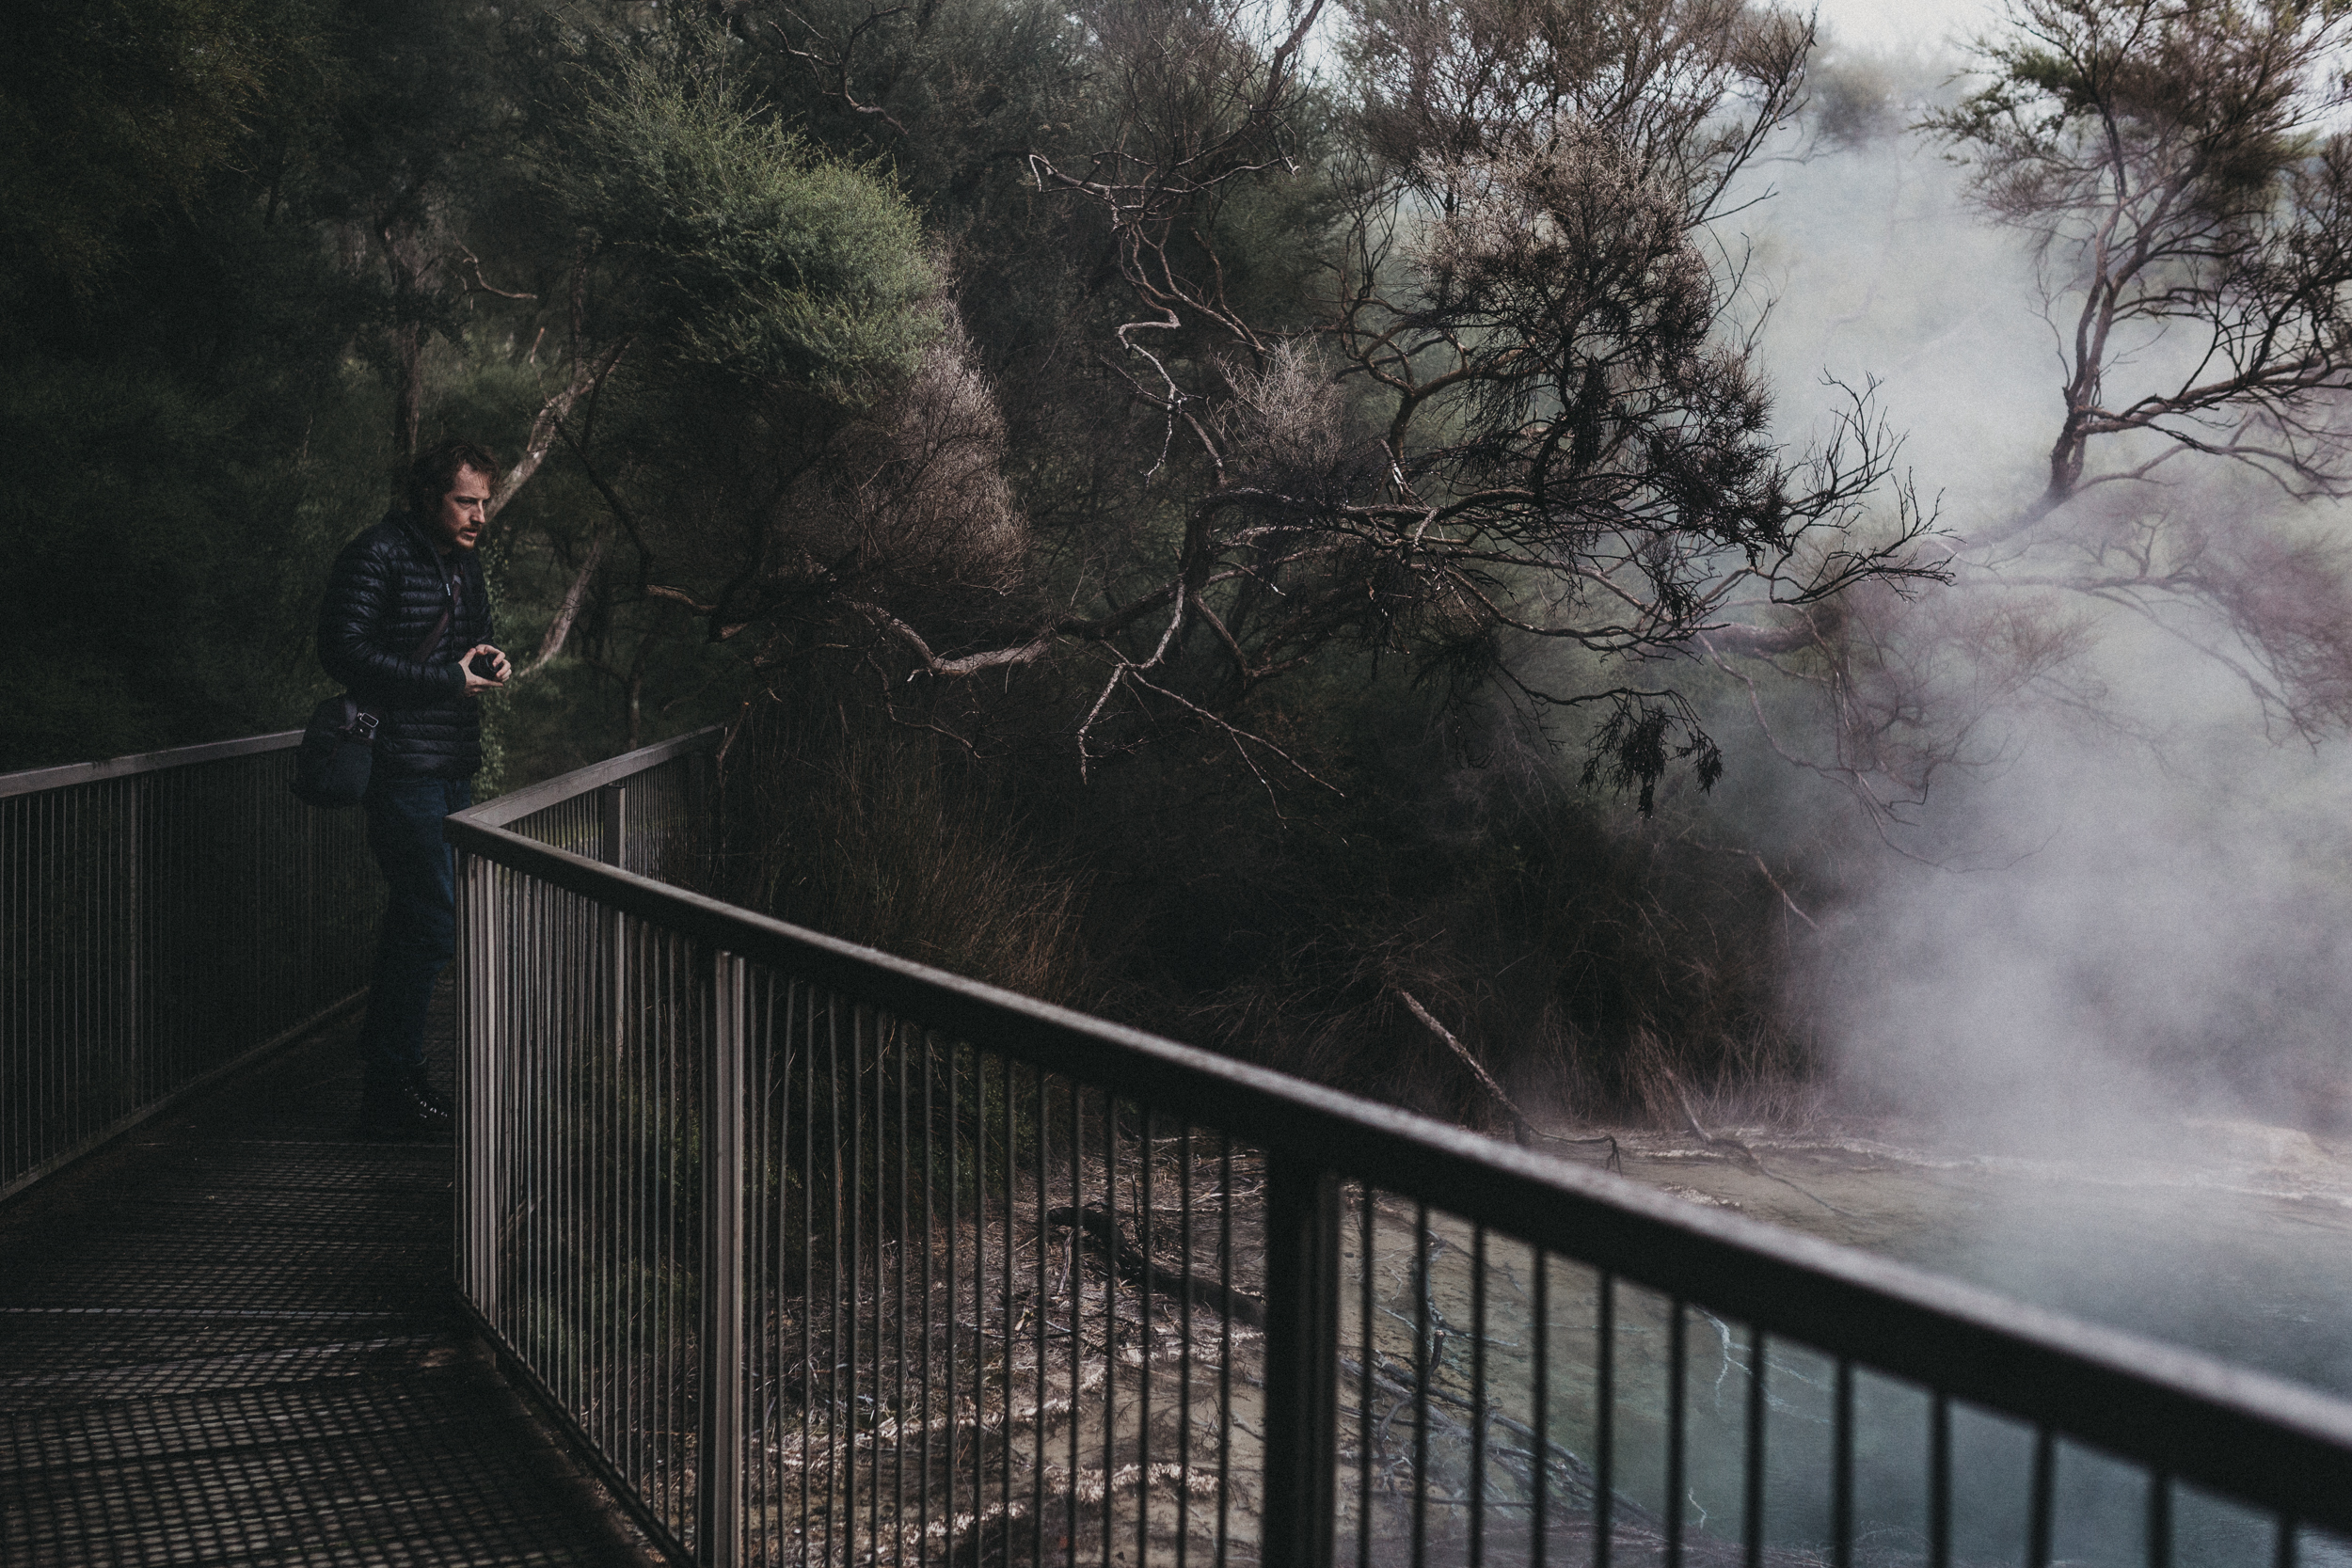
(362, 609)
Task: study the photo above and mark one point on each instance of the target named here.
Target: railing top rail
(2264, 1439)
(35, 780)
(522, 802)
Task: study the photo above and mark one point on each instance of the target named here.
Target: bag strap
(449, 593)
(432, 638)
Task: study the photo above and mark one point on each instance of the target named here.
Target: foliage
(1596, 963)
(115, 116)
(749, 251)
(874, 834)
(192, 428)
(2172, 162)
(175, 410)
(1581, 952)
(779, 406)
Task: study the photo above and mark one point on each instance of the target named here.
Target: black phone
(484, 664)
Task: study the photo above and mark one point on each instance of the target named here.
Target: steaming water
(2232, 1238)
(2227, 1236)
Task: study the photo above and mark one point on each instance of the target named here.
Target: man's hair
(434, 470)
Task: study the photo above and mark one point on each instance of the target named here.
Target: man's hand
(476, 685)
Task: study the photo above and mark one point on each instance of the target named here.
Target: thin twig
(1518, 1118)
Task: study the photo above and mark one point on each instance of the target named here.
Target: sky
(1901, 24)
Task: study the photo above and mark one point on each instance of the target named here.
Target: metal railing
(829, 1258)
(163, 918)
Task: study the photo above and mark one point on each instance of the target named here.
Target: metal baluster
(1077, 1317)
(585, 1027)
(1302, 1264)
(1042, 1119)
(645, 1241)
(1752, 1461)
(901, 1035)
(1423, 1370)
(836, 1508)
(876, 1243)
(979, 1302)
(1841, 1470)
(763, 1271)
(852, 1239)
(685, 1260)
(720, 1534)
(1940, 1481)
(923, 1503)
(1605, 1422)
(1110, 1326)
(1225, 1346)
(1364, 1247)
(2038, 1529)
(1184, 1348)
(1478, 1400)
(955, 1225)
(1143, 1327)
(806, 1031)
(1003, 1072)
(1677, 1366)
(1540, 1412)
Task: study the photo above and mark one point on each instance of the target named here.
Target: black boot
(397, 1111)
(438, 1104)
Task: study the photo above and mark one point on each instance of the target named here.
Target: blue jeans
(419, 921)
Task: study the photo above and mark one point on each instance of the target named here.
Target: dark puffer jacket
(388, 588)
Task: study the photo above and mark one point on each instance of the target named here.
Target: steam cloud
(2141, 906)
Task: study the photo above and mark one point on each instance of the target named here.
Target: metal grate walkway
(231, 1338)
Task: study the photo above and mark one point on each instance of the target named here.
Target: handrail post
(1302, 1287)
(719, 1532)
(613, 823)
(478, 1074)
(703, 843)
(139, 996)
(612, 838)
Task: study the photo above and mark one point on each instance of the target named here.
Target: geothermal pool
(2232, 1238)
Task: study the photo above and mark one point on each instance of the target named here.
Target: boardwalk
(231, 1338)
(825, 1252)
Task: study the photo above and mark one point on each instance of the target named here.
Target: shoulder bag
(338, 743)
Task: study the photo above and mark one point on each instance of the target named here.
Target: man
(404, 617)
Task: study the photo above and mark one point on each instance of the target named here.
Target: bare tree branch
(1520, 1127)
(560, 627)
(586, 376)
(834, 73)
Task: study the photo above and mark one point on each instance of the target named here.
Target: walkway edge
(106, 1137)
(604, 1490)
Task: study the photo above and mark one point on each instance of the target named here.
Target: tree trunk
(408, 402)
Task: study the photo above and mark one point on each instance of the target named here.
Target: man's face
(460, 517)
